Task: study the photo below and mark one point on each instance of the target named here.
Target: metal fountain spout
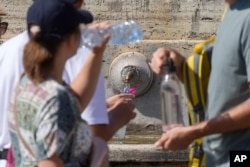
(129, 76)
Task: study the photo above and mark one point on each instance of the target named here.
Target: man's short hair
(72, 1)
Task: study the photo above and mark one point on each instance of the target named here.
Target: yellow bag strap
(224, 12)
(199, 47)
(195, 83)
(196, 154)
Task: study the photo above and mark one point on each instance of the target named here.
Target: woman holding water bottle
(46, 128)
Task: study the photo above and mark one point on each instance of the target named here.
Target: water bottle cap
(170, 67)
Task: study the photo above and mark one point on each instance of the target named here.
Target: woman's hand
(111, 101)
(99, 49)
(121, 109)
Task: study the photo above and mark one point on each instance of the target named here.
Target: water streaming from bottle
(125, 39)
(120, 134)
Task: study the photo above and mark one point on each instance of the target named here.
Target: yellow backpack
(196, 75)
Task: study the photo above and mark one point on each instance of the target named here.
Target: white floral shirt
(49, 122)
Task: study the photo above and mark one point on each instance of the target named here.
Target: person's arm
(99, 153)
(85, 82)
(98, 156)
(234, 119)
(120, 112)
(54, 161)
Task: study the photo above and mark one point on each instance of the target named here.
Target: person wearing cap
(45, 125)
(102, 123)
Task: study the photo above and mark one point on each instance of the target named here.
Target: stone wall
(160, 19)
(163, 19)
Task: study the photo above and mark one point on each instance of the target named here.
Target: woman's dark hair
(39, 54)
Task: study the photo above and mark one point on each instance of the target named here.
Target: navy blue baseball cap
(55, 18)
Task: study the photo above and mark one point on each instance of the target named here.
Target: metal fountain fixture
(130, 70)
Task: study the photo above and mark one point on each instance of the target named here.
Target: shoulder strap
(196, 75)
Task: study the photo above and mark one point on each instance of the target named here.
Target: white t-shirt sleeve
(11, 68)
(96, 111)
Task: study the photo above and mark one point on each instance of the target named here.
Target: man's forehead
(2, 13)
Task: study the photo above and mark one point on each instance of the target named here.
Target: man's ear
(78, 4)
(3, 27)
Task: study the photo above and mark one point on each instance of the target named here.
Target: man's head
(77, 3)
(230, 2)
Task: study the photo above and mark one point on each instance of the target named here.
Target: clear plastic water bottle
(171, 99)
(128, 32)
